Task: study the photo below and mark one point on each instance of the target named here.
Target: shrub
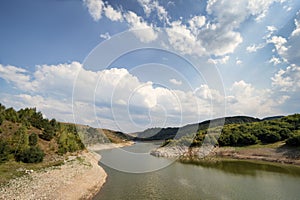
(293, 141)
(48, 134)
(20, 139)
(1, 119)
(4, 151)
(285, 133)
(246, 139)
(31, 155)
(33, 139)
(224, 140)
(270, 137)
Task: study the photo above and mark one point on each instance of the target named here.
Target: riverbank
(99, 147)
(276, 153)
(80, 177)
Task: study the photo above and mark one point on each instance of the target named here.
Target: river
(175, 180)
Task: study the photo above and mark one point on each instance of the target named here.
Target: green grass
(82, 161)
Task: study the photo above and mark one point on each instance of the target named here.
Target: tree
(33, 139)
(4, 151)
(48, 133)
(11, 115)
(293, 141)
(36, 119)
(2, 108)
(31, 155)
(20, 140)
(1, 119)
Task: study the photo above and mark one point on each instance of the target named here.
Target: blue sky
(134, 64)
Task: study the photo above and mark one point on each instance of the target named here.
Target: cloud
(238, 62)
(105, 36)
(296, 31)
(278, 42)
(150, 6)
(110, 93)
(197, 22)
(260, 8)
(59, 109)
(275, 61)
(175, 82)
(287, 80)
(224, 38)
(288, 47)
(49, 79)
(17, 76)
(119, 100)
(222, 60)
(95, 8)
(182, 39)
(244, 99)
(113, 14)
(254, 47)
(140, 28)
(216, 35)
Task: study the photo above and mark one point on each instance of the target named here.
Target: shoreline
(99, 147)
(79, 177)
(279, 155)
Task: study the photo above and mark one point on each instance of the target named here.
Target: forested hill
(171, 132)
(27, 136)
(285, 129)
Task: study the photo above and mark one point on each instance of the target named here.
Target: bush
(270, 137)
(285, 133)
(1, 119)
(4, 151)
(20, 139)
(224, 140)
(293, 141)
(69, 140)
(33, 139)
(247, 139)
(48, 133)
(31, 155)
(11, 115)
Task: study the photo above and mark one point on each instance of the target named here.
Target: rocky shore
(80, 177)
(182, 151)
(282, 154)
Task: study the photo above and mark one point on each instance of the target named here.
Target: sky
(134, 64)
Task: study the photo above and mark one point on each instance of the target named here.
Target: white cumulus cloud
(175, 81)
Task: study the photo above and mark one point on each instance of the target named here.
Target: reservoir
(169, 179)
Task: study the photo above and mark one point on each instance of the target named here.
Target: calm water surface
(224, 180)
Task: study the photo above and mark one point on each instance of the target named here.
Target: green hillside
(28, 137)
(238, 133)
